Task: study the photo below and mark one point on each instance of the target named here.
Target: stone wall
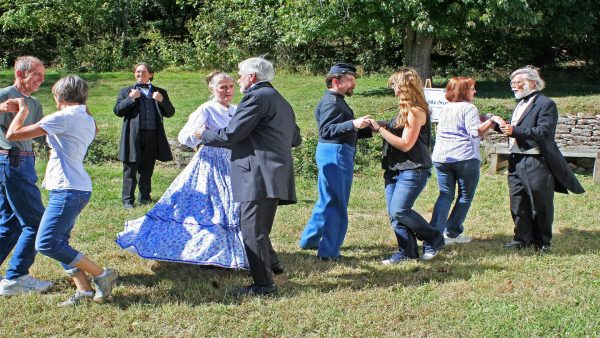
(572, 131)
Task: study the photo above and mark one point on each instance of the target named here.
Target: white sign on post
(436, 98)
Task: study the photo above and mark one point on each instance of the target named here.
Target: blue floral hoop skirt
(195, 221)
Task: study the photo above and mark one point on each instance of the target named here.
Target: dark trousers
(531, 187)
(140, 172)
(256, 221)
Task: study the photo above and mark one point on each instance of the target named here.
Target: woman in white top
(69, 132)
(196, 220)
(456, 157)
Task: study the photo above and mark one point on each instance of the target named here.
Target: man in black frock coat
(536, 166)
(143, 140)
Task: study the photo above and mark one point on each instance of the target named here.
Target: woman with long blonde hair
(407, 167)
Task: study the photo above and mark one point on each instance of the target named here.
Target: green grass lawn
(476, 289)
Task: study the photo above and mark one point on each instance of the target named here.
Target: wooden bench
(498, 157)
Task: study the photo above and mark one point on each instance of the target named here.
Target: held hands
(361, 122)
(9, 106)
(500, 121)
(377, 125)
(507, 129)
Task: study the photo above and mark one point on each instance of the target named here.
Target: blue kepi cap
(342, 68)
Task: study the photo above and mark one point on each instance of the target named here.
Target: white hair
(530, 73)
(27, 63)
(261, 67)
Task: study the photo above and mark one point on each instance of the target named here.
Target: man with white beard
(536, 168)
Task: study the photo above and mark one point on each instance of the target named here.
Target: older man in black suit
(260, 136)
(536, 166)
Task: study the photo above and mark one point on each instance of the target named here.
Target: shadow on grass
(359, 270)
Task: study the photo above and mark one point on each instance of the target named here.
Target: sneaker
(78, 298)
(428, 255)
(396, 258)
(104, 284)
(23, 284)
(460, 239)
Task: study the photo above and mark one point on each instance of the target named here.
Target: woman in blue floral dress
(196, 220)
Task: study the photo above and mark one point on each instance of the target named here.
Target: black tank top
(418, 157)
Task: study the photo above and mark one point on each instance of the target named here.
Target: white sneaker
(104, 284)
(396, 258)
(78, 298)
(429, 255)
(23, 284)
(461, 239)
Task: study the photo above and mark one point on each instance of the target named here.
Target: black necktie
(143, 85)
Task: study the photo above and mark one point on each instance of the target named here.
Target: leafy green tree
(227, 31)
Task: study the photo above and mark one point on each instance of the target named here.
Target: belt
(21, 153)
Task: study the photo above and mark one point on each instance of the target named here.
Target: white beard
(526, 90)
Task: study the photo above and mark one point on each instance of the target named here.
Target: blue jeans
(401, 191)
(465, 174)
(64, 205)
(326, 229)
(21, 209)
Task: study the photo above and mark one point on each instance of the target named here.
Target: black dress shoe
(277, 268)
(542, 248)
(516, 245)
(146, 201)
(255, 290)
(127, 206)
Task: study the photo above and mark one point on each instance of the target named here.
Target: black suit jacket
(129, 110)
(260, 135)
(537, 128)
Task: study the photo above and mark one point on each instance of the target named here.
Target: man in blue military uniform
(338, 132)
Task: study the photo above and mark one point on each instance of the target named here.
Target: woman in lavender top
(456, 157)
(196, 220)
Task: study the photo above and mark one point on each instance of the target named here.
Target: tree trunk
(124, 29)
(417, 52)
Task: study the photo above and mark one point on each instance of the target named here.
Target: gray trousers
(256, 221)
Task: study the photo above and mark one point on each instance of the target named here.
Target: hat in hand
(342, 68)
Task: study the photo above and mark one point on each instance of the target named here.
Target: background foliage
(304, 35)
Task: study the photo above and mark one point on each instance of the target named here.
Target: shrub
(102, 150)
